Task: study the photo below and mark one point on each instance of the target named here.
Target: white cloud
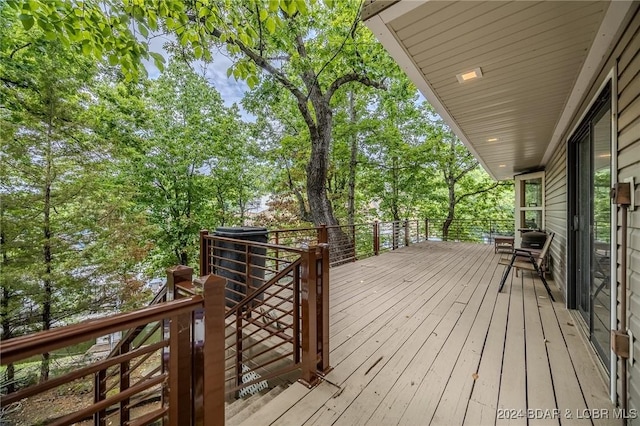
(232, 91)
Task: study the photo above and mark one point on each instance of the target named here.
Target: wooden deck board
(567, 389)
(513, 384)
(428, 395)
(421, 336)
(540, 395)
(453, 404)
(579, 350)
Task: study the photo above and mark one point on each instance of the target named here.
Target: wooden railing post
(407, 236)
(426, 229)
(204, 253)
(322, 234)
(100, 394)
(214, 354)
(376, 237)
(353, 242)
(395, 234)
(125, 382)
(322, 268)
(178, 276)
(309, 318)
(180, 365)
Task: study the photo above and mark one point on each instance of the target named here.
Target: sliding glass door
(590, 217)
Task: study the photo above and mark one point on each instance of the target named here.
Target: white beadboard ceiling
(533, 56)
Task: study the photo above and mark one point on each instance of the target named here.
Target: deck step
(240, 410)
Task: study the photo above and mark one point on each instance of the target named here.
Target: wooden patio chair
(530, 260)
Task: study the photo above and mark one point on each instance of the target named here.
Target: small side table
(503, 242)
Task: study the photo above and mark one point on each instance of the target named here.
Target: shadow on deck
(421, 336)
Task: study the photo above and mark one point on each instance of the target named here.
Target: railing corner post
(204, 253)
(406, 233)
(180, 369)
(309, 318)
(178, 276)
(426, 229)
(323, 236)
(214, 354)
(376, 237)
(180, 365)
(323, 365)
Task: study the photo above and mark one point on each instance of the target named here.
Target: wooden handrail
(77, 374)
(306, 268)
(133, 333)
(262, 288)
(254, 243)
(22, 347)
(207, 408)
(82, 414)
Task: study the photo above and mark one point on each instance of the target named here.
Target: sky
(232, 91)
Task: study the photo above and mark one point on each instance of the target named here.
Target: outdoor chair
(530, 260)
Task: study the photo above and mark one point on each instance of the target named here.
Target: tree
(396, 154)
(294, 54)
(190, 161)
(69, 243)
(352, 124)
(284, 144)
(312, 51)
(52, 172)
(458, 167)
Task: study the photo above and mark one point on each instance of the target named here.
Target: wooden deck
(421, 336)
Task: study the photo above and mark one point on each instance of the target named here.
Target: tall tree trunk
(451, 210)
(10, 373)
(395, 195)
(47, 255)
(320, 208)
(395, 191)
(351, 207)
(184, 257)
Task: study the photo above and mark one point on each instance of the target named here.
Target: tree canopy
(108, 175)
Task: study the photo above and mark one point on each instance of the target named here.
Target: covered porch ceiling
(536, 61)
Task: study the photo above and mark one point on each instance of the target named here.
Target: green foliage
(285, 146)
(189, 160)
(124, 174)
(53, 185)
(118, 30)
(396, 152)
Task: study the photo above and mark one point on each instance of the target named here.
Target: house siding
(556, 215)
(626, 57)
(628, 65)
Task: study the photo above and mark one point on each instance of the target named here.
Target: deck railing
(267, 305)
(353, 242)
(470, 230)
(277, 309)
(200, 342)
(119, 394)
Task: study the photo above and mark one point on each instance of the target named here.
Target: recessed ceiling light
(502, 165)
(492, 140)
(469, 75)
